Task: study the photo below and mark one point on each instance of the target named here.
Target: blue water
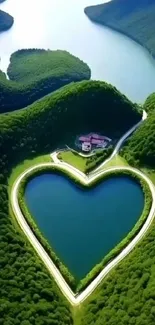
(62, 24)
(82, 226)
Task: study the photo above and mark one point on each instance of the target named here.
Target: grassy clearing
(116, 161)
(69, 157)
(16, 172)
(73, 159)
(150, 173)
(25, 165)
(85, 164)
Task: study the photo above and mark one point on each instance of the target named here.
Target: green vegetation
(27, 292)
(133, 18)
(6, 21)
(114, 252)
(36, 64)
(149, 104)
(85, 164)
(68, 277)
(44, 124)
(27, 163)
(117, 160)
(73, 158)
(140, 148)
(28, 296)
(97, 269)
(150, 173)
(2, 75)
(100, 156)
(126, 296)
(35, 73)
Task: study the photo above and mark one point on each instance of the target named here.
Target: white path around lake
(53, 270)
(77, 299)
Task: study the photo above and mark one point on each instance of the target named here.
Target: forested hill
(6, 21)
(135, 18)
(29, 296)
(35, 73)
(140, 148)
(73, 108)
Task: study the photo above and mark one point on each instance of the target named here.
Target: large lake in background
(62, 24)
(82, 226)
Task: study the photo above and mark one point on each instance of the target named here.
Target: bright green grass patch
(150, 173)
(17, 171)
(73, 159)
(116, 161)
(85, 164)
(25, 165)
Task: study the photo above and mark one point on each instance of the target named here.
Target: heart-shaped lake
(82, 226)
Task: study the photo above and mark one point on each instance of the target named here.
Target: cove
(60, 24)
(82, 226)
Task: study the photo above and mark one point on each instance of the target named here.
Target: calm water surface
(83, 226)
(62, 24)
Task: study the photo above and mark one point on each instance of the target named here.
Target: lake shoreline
(118, 67)
(101, 23)
(77, 182)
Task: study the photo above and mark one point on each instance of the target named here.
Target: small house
(86, 146)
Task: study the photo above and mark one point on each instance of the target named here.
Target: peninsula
(132, 18)
(35, 73)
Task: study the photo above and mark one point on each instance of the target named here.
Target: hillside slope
(27, 294)
(140, 148)
(35, 73)
(74, 108)
(30, 64)
(149, 104)
(133, 18)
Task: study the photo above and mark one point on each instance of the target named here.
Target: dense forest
(127, 295)
(74, 108)
(6, 21)
(28, 296)
(149, 104)
(133, 18)
(34, 73)
(140, 148)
